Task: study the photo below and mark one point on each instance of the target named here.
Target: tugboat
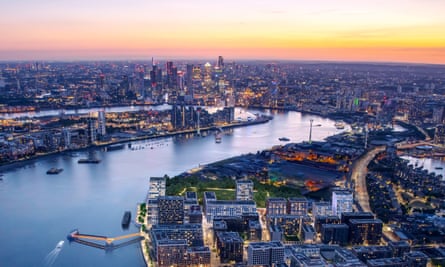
(126, 219)
(54, 171)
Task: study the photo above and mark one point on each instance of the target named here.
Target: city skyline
(395, 31)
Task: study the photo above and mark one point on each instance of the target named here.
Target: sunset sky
(346, 30)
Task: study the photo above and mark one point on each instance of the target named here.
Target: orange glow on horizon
(347, 30)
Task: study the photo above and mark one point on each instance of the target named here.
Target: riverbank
(21, 162)
(26, 109)
(81, 193)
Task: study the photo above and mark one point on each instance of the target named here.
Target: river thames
(39, 210)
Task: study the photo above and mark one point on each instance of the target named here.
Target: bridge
(87, 239)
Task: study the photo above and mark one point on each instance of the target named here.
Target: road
(358, 176)
(207, 229)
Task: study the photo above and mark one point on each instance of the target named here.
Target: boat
(60, 244)
(115, 147)
(284, 139)
(54, 171)
(218, 138)
(438, 168)
(95, 161)
(126, 219)
(339, 125)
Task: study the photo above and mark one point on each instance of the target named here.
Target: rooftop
(259, 245)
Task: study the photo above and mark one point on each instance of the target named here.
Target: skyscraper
(66, 137)
(220, 62)
(153, 77)
(189, 75)
(92, 130)
(101, 123)
(177, 117)
(172, 74)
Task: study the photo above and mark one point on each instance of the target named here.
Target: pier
(107, 242)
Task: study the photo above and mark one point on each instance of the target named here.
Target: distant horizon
(406, 31)
(212, 61)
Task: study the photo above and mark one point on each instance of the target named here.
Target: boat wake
(52, 256)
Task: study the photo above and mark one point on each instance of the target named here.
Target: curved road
(358, 176)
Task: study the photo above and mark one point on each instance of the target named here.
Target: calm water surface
(39, 210)
(432, 165)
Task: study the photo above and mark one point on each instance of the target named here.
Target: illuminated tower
(169, 66)
(92, 130)
(101, 123)
(208, 76)
(153, 77)
(220, 62)
(66, 137)
(170, 71)
(189, 75)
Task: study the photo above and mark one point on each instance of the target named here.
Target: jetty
(103, 242)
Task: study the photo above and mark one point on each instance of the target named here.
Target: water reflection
(432, 165)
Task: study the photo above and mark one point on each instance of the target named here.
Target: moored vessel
(54, 171)
(126, 219)
(115, 147)
(95, 161)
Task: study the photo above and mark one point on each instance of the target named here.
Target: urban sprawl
(368, 206)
